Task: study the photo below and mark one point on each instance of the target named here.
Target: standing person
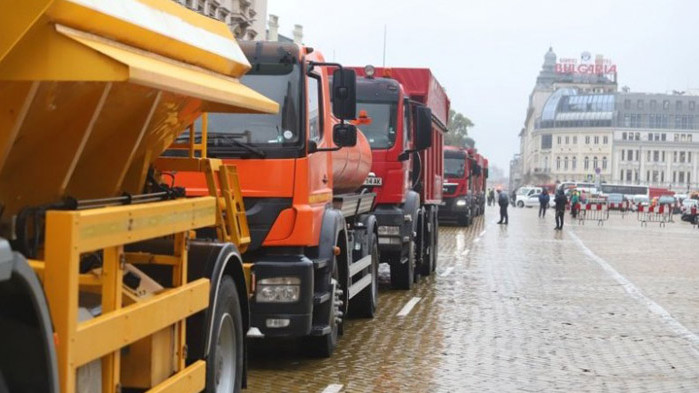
(491, 197)
(560, 201)
(503, 201)
(574, 199)
(544, 199)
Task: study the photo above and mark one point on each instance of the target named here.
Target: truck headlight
(278, 290)
(461, 202)
(389, 230)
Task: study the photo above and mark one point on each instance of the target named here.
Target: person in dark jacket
(544, 199)
(560, 201)
(504, 202)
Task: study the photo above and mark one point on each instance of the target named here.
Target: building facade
(247, 19)
(539, 150)
(616, 137)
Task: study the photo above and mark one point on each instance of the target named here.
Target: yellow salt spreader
(103, 285)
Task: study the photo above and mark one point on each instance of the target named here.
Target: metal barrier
(661, 214)
(621, 207)
(592, 212)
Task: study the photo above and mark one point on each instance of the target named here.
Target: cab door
(317, 123)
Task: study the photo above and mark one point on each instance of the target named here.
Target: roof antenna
(384, 46)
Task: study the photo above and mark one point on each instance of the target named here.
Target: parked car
(615, 201)
(689, 210)
(533, 200)
(524, 193)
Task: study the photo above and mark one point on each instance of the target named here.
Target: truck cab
(459, 202)
(311, 258)
(396, 110)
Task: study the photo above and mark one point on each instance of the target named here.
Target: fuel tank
(351, 165)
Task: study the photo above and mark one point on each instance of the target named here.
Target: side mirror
(423, 128)
(344, 94)
(345, 135)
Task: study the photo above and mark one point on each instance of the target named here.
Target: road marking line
(408, 307)
(332, 388)
(447, 272)
(638, 295)
(482, 233)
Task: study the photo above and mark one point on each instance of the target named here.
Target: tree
(458, 130)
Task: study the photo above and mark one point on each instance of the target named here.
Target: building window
(604, 162)
(677, 137)
(630, 155)
(648, 156)
(681, 177)
(575, 140)
(663, 137)
(689, 137)
(674, 157)
(587, 163)
(623, 155)
(628, 175)
(674, 176)
(565, 164)
(689, 157)
(594, 163)
(567, 140)
(683, 137)
(678, 105)
(605, 140)
(653, 104)
(596, 140)
(663, 156)
(638, 154)
(682, 157)
(587, 140)
(692, 105)
(666, 104)
(627, 120)
(638, 136)
(656, 156)
(627, 104)
(546, 141)
(650, 136)
(623, 136)
(558, 163)
(559, 139)
(639, 104)
(574, 163)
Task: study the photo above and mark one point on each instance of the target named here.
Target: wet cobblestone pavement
(522, 308)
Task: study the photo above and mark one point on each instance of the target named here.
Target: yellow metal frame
(222, 182)
(72, 233)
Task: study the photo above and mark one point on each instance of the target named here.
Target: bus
(629, 191)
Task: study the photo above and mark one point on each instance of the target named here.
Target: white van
(523, 193)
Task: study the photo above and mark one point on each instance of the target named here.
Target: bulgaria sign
(586, 65)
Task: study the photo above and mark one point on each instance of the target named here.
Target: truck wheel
(427, 266)
(324, 346)
(224, 366)
(364, 304)
(403, 274)
(435, 243)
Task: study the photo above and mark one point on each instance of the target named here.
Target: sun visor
(219, 93)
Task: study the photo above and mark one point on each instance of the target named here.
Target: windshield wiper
(231, 138)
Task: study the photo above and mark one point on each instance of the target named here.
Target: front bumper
(284, 319)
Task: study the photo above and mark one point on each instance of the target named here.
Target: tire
(364, 304)
(520, 204)
(403, 274)
(427, 266)
(324, 346)
(463, 220)
(435, 234)
(224, 366)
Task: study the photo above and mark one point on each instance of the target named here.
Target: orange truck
(313, 256)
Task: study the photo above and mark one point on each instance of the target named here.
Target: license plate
(373, 181)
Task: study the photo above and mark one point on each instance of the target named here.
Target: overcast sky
(488, 53)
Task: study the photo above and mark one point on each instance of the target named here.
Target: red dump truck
(403, 112)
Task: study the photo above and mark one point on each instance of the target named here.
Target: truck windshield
(381, 132)
(281, 129)
(454, 167)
